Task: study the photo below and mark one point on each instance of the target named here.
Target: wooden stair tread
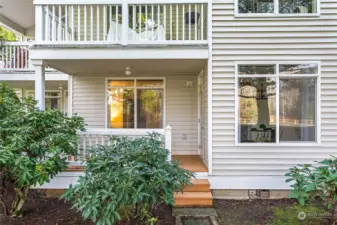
(198, 185)
(199, 181)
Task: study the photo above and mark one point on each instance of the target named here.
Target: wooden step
(193, 199)
(198, 185)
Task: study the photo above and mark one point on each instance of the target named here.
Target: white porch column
(40, 78)
(168, 141)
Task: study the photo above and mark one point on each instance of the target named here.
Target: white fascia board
(61, 181)
(11, 25)
(110, 2)
(249, 182)
(115, 53)
(31, 76)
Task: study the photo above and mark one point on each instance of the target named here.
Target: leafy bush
(315, 181)
(124, 178)
(33, 146)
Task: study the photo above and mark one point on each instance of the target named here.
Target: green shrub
(310, 182)
(33, 146)
(125, 178)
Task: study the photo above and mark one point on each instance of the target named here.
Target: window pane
(297, 6)
(53, 103)
(256, 6)
(298, 109)
(121, 108)
(150, 83)
(53, 94)
(299, 68)
(149, 108)
(256, 69)
(257, 99)
(121, 83)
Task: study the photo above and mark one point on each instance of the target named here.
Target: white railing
(125, 22)
(14, 56)
(93, 137)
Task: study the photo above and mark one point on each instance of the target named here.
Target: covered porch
(135, 97)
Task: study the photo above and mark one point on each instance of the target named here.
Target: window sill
(286, 144)
(273, 15)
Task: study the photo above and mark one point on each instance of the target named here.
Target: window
(277, 102)
(281, 7)
(135, 103)
(53, 99)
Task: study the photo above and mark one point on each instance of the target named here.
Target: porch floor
(191, 163)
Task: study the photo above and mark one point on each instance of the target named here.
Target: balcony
(122, 22)
(93, 137)
(14, 57)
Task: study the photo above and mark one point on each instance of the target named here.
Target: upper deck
(121, 22)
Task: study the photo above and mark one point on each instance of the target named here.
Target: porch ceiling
(17, 14)
(117, 67)
(50, 85)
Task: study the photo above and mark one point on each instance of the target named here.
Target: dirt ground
(40, 210)
(270, 212)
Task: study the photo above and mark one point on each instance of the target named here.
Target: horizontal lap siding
(181, 107)
(274, 39)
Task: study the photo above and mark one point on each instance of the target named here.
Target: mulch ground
(40, 210)
(260, 212)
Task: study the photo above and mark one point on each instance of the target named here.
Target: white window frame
(135, 99)
(276, 11)
(277, 76)
(29, 92)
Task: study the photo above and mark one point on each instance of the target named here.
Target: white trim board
(31, 76)
(249, 182)
(64, 179)
(102, 2)
(210, 88)
(50, 53)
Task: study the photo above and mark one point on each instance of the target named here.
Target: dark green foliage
(312, 181)
(124, 178)
(33, 145)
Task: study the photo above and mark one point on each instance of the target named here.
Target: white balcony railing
(123, 22)
(93, 137)
(14, 56)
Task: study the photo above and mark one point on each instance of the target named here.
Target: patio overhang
(18, 15)
(110, 62)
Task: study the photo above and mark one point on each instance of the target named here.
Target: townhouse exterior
(241, 90)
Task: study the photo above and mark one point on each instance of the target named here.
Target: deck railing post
(125, 22)
(39, 23)
(168, 141)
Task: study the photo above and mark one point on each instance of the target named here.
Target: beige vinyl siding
(181, 107)
(270, 39)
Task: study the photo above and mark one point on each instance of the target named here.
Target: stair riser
(194, 203)
(198, 188)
